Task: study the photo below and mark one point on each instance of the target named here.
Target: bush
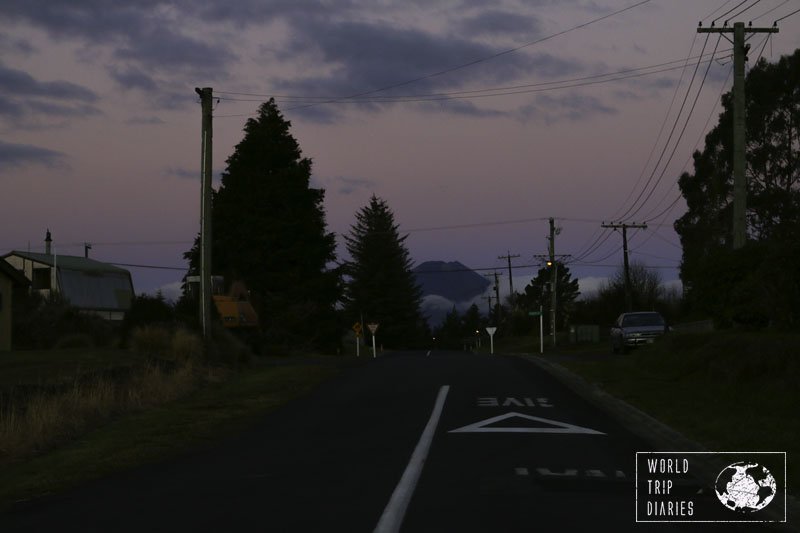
(186, 346)
(154, 341)
(40, 323)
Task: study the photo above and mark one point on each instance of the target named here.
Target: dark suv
(633, 329)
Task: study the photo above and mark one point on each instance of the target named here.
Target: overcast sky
(476, 120)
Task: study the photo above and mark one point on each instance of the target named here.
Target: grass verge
(192, 421)
(730, 391)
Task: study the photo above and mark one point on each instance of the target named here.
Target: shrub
(154, 341)
(186, 346)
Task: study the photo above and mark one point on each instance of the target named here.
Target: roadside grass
(729, 391)
(47, 367)
(195, 420)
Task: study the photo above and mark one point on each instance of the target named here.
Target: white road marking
(556, 426)
(393, 514)
(428, 354)
(521, 471)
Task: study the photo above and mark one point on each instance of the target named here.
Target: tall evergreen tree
(269, 231)
(382, 287)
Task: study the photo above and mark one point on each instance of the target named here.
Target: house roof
(86, 283)
(16, 276)
(69, 262)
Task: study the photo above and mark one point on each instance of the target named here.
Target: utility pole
(510, 279)
(205, 210)
(628, 298)
(489, 298)
(551, 260)
(553, 279)
(739, 179)
(497, 297)
(496, 294)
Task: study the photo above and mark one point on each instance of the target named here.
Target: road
(509, 449)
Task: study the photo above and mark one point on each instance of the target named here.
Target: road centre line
(393, 514)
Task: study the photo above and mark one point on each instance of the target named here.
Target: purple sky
(101, 124)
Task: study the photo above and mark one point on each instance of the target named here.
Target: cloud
(499, 22)
(29, 103)
(194, 174)
(144, 32)
(15, 82)
(16, 46)
(371, 56)
(19, 155)
(145, 121)
(133, 78)
(346, 185)
(571, 107)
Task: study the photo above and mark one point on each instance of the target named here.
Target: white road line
(393, 514)
(428, 354)
(521, 471)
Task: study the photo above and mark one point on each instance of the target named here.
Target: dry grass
(44, 420)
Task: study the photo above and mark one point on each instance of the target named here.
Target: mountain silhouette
(451, 280)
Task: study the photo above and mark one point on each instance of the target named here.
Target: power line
(680, 136)
(483, 59)
(745, 9)
(660, 130)
(318, 99)
(787, 16)
(764, 14)
(731, 10)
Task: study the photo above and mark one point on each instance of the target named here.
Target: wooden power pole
(626, 266)
(739, 179)
(205, 211)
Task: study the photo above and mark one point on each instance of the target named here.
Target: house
(11, 280)
(88, 285)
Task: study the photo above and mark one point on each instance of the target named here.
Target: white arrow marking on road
(557, 427)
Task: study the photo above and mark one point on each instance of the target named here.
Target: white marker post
(541, 331)
(372, 329)
(490, 330)
(541, 327)
(357, 329)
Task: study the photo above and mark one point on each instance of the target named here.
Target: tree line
(269, 231)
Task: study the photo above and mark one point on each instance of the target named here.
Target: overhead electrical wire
(796, 11)
(660, 130)
(731, 10)
(669, 66)
(748, 8)
(633, 213)
(764, 14)
(649, 217)
(482, 59)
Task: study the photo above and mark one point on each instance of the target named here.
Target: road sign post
(372, 329)
(491, 330)
(541, 327)
(358, 329)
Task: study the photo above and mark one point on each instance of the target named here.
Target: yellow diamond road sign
(357, 328)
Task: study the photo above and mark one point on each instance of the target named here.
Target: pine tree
(382, 287)
(269, 231)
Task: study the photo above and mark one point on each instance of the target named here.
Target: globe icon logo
(745, 487)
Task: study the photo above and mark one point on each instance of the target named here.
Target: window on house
(41, 278)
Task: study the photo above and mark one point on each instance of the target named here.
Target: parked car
(633, 329)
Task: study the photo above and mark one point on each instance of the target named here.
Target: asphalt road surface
(411, 441)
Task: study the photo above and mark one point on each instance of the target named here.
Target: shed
(88, 285)
(10, 280)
